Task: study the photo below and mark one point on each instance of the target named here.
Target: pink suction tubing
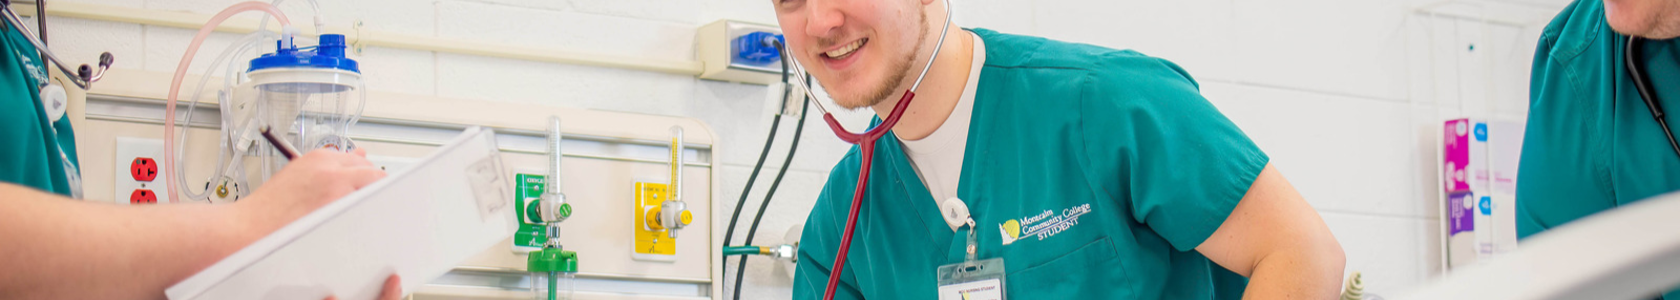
(181, 74)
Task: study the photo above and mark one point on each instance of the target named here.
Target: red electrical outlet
(143, 169)
(142, 196)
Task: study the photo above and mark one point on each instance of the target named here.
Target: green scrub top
(1109, 164)
(37, 152)
(1591, 144)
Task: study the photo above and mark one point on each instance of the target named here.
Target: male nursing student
(57, 248)
(1592, 143)
(1093, 173)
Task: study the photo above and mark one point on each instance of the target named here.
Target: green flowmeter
(541, 209)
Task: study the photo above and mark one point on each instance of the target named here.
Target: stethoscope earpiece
(84, 76)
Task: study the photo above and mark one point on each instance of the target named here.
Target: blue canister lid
(328, 53)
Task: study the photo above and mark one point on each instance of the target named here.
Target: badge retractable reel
(971, 279)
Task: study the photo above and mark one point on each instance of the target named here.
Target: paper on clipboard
(417, 224)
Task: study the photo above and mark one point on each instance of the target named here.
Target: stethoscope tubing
(1633, 55)
(866, 144)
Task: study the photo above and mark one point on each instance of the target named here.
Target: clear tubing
(232, 132)
(240, 179)
(361, 104)
(221, 156)
(315, 7)
(229, 78)
(230, 81)
(181, 74)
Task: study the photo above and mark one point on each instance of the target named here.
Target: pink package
(1464, 156)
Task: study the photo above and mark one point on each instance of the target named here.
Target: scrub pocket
(1092, 271)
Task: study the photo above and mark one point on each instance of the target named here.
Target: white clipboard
(417, 224)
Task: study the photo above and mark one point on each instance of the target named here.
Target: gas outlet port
(734, 51)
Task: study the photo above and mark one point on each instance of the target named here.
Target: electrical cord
(740, 270)
(776, 121)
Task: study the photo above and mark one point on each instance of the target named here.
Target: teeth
(843, 51)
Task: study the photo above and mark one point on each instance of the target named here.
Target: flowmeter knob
(674, 215)
(554, 207)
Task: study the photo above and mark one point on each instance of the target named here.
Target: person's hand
(313, 180)
(391, 291)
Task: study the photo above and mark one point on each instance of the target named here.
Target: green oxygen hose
(744, 250)
(553, 285)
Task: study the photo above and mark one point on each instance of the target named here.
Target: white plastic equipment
(1632, 252)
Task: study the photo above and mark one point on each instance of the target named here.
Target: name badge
(972, 280)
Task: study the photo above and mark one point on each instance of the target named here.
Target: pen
(285, 148)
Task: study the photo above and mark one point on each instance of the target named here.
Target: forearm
(59, 248)
(1312, 272)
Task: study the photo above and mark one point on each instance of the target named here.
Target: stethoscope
(866, 142)
(1642, 83)
(1633, 55)
(85, 75)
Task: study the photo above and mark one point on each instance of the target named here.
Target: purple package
(1461, 214)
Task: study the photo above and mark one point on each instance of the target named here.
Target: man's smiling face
(860, 50)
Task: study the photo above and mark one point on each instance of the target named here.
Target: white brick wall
(1341, 93)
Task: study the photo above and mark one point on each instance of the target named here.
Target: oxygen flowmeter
(661, 211)
(553, 269)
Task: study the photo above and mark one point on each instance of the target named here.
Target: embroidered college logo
(1011, 231)
(37, 73)
(1042, 225)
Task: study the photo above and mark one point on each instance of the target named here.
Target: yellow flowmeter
(660, 211)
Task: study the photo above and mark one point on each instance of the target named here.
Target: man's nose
(824, 17)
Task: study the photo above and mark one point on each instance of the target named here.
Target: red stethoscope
(866, 142)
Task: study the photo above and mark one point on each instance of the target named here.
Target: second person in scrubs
(1592, 144)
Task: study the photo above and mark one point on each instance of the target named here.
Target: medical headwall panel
(605, 155)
